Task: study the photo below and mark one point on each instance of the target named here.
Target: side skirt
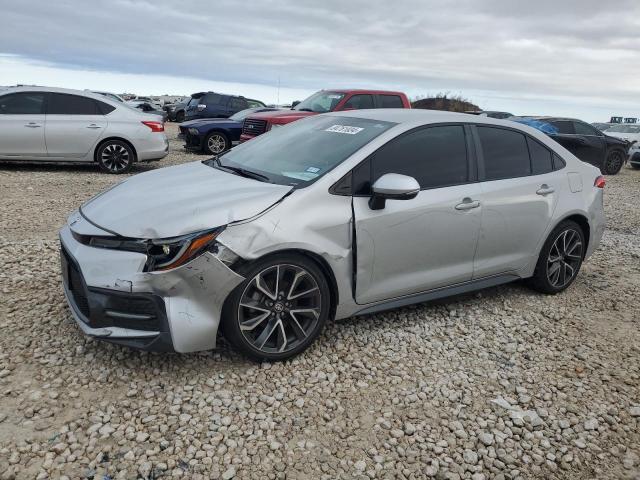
(439, 293)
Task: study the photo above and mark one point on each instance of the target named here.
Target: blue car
(216, 135)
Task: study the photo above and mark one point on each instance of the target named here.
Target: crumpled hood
(178, 200)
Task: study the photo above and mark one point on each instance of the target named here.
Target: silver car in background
(55, 124)
(335, 215)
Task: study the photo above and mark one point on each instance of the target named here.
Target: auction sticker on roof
(344, 129)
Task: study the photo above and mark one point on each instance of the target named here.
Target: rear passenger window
(359, 102)
(239, 104)
(505, 153)
(63, 104)
(434, 156)
(541, 159)
(390, 101)
(213, 99)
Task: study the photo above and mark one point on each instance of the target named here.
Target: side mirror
(201, 107)
(295, 103)
(393, 186)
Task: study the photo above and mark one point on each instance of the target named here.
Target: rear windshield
(301, 152)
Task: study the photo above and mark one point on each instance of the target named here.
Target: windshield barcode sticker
(344, 129)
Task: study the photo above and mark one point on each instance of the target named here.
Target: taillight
(155, 126)
(600, 182)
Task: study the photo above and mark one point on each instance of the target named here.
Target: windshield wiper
(304, 110)
(242, 171)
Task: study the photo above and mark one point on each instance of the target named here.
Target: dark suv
(217, 105)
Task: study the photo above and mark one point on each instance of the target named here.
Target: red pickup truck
(322, 102)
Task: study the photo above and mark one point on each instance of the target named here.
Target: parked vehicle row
(54, 124)
(217, 105)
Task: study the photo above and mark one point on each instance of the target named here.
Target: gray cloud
(579, 48)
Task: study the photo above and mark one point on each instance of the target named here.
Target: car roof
(417, 115)
(70, 91)
(360, 90)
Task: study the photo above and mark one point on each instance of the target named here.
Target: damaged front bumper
(113, 299)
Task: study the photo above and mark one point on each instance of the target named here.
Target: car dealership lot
(402, 394)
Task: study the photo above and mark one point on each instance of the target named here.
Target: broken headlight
(162, 254)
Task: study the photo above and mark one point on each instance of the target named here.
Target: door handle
(467, 204)
(94, 126)
(545, 190)
(32, 125)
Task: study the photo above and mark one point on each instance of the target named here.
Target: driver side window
(435, 156)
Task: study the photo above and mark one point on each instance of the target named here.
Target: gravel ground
(501, 384)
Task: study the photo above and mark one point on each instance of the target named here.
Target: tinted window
(584, 129)
(255, 104)
(558, 163)
(359, 102)
(26, 103)
(390, 101)
(541, 158)
(565, 127)
(194, 101)
(213, 99)
(238, 104)
(61, 104)
(105, 108)
(505, 153)
(435, 157)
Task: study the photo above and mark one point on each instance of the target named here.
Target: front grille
(76, 287)
(253, 126)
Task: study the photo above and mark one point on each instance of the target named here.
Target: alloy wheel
(115, 157)
(216, 144)
(279, 308)
(614, 163)
(564, 258)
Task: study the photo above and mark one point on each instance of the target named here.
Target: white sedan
(54, 124)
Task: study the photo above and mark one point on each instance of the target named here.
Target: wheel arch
(108, 139)
(320, 262)
(583, 223)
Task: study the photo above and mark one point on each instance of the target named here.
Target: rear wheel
(216, 143)
(614, 162)
(279, 310)
(115, 156)
(560, 259)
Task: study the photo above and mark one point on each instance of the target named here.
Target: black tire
(216, 143)
(282, 334)
(614, 162)
(569, 259)
(115, 156)
(635, 166)
(180, 116)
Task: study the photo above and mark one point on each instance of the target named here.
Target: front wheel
(115, 156)
(614, 162)
(280, 308)
(180, 117)
(216, 143)
(560, 259)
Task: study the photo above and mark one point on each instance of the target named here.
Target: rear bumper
(156, 148)
(111, 298)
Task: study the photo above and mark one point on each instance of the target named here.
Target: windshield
(320, 102)
(300, 153)
(625, 129)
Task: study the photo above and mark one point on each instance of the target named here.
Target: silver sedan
(55, 124)
(332, 216)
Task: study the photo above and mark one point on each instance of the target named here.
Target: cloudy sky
(558, 57)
